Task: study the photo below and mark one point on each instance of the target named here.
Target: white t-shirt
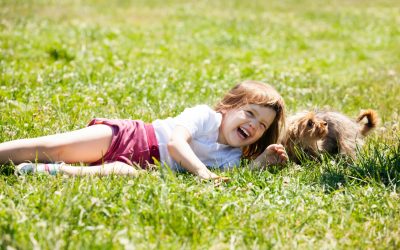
(203, 124)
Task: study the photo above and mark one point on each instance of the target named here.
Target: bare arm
(273, 154)
(181, 152)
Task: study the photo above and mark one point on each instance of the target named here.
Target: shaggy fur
(345, 135)
(303, 131)
(327, 131)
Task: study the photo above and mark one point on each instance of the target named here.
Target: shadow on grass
(381, 164)
(59, 53)
(6, 170)
(333, 180)
(378, 164)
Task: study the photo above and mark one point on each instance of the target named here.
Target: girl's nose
(254, 124)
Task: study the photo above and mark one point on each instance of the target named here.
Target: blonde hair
(254, 92)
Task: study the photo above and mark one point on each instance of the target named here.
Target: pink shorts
(133, 142)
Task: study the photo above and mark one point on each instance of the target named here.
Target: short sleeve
(199, 120)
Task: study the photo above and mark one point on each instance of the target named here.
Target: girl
(246, 123)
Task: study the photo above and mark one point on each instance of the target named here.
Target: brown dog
(326, 131)
(303, 131)
(345, 135)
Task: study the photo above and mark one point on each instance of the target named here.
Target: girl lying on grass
(246, 123)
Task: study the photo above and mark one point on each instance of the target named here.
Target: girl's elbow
(174, 146)
(171, 146)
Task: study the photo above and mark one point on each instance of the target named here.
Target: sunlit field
(65, 62)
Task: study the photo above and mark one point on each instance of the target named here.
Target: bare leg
(84, 145)
(116, 168)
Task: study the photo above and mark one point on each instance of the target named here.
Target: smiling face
(245, 125)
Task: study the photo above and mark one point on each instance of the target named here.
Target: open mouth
(243, 133)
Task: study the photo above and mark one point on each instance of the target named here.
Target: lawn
(65, 62)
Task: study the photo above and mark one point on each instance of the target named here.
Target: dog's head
(310, 128)
(304, 130)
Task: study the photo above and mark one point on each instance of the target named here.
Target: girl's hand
(221, 179)
(275, 154)
(218, 180)
(208, 175)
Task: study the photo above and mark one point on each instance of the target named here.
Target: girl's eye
(264, 126)
(248, 112)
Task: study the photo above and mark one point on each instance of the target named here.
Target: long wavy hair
(254, 92)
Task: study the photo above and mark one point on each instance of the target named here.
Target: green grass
(65, 62)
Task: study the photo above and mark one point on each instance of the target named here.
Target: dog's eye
(249, 113)
(310, 123)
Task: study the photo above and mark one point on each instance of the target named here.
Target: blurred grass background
(65, 62)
